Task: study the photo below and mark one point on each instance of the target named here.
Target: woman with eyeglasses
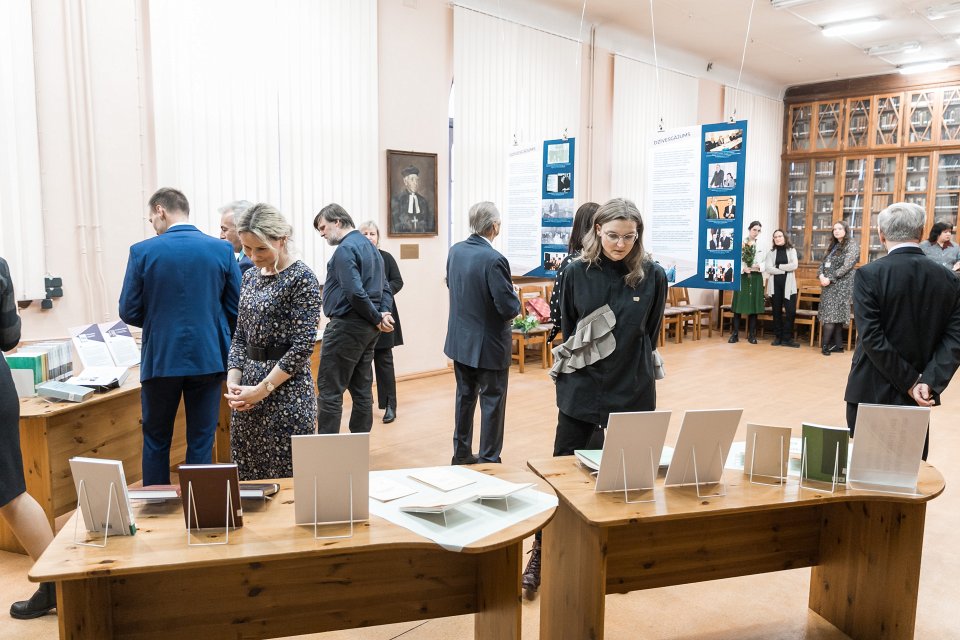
(749, 299)
(836, 279)
(939, 248)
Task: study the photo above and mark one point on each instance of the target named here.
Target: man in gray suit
(482, 305)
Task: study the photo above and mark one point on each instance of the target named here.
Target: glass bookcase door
(798, 185)
(887, 125)
(950, 115)
(824, 193)
(858, 123)
(948, 189)
(919, 121)
(829, 118)
(916, 180)
(881, 196)
(854, 175)
(801, 117)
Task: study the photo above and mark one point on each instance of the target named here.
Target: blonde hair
(370, 224)
(267, 223)
(617, 209)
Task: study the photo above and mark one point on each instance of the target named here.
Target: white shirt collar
(901, 245)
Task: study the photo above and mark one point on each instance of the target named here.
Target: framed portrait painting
(412, 180)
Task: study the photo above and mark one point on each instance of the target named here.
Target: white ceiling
(786, 46)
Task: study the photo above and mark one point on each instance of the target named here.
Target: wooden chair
(726, 309)
(535, 337)
(683, 298)
(688, 313)
(674, 316)
(807, 300)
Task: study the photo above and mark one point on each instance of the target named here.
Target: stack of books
(37, 363)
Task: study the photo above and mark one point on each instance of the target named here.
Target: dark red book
(204, 491)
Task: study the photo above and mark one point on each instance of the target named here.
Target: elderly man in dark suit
(482, 305)
(410, 212)
(182, 287)
(908, 321)
(228, 230)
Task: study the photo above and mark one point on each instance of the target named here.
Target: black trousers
(345, 359)
(386, 379)
(573, 434)
(490, 386)
(159, 401)
(781, 329)
(852, 423)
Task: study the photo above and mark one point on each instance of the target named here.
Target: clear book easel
(228, 520)
(622, 474)
(781, 477)
(722, 487)
(836, 471)
(113, 498)
(316, 523)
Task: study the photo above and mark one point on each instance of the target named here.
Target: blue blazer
(482, 305)
(182, 288)
(245, 263)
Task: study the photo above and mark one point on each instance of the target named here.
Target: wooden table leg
(866, 582)
(84, 609)
(498, 594)
(574, 578)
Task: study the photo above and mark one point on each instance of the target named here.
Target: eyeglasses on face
(615, 238)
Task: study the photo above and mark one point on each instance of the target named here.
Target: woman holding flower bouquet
(749, 299)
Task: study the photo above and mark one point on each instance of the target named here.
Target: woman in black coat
(383, 352)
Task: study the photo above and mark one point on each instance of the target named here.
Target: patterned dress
(835, 298)
(275, 310)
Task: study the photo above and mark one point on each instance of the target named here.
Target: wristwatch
(269, 386)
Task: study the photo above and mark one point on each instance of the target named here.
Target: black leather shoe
(389, 415)
(42, 602)
(733, 338)
(776, 342)
(752, 340)
(791, 343)
(468, 460)
(825, 351)
(835, 348)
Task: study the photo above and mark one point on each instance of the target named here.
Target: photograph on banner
(558, 209)
(721, 208)
(723, 175)
(552, 259)
(727, 140)
(719, 239)
(558, 175)
(718, 270)
(556, 235)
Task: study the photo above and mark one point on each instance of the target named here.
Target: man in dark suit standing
(410, 212)
(228, 230)
(908, 321)
(730, 211)
(482, 305)
(182, 288)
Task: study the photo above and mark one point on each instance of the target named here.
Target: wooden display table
(273, 579)
(864, 547)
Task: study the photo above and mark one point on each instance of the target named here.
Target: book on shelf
(102, 496)
(825, 449)
(212, 486)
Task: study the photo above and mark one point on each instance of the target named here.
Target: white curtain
(512, 82)
(640, 106)
(764, 118)
(21, 217)
(268, 100)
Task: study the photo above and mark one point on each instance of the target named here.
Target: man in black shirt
(357, 300)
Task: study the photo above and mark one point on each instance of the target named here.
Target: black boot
(735, 329)
(752, 329)
(41, 603)
(530, 581)
(389, 415)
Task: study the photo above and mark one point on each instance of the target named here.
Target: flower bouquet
(749, 254)
(526, 323)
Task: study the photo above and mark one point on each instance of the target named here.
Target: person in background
(19, 509)
(269, 383)
(781, 264)
(582, 223)
(836, 278)
(228, 230)
(749, 299)
(182, 288)
(939, 248)
(358, 301)
(482, 304)
(383, 351)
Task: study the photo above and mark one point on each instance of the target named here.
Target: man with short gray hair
(482, 305)
(228, 230)
(907, 310)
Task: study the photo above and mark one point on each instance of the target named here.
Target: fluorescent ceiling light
(783, 4)
(851, 26)
(942, 11)
(892, 48)
(925, 67)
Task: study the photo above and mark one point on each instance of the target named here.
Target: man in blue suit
(482, 305)
(182, 288)
(228, 230)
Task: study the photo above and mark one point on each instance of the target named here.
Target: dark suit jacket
(392, 273)
(482, 305)
(182, 288)
(403, 222)
(907, 310)
(245, 263)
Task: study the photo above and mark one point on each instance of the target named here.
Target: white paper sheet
(889, 445)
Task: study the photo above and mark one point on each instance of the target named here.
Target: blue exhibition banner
(557, 198)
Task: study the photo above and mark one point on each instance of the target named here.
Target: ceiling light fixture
(895, 47)
(783, 4)
(925, 67)
(850, 27)
(942, 11)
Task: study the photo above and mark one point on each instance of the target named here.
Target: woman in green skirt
(749, 300)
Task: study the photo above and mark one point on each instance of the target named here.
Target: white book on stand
(767, 451)
(632, 449)
(440, 478)
(102, 490)
(705, 438)
(887, 448)
(327, 470)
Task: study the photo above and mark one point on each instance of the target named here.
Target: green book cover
(31, 361)
(822, 446)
